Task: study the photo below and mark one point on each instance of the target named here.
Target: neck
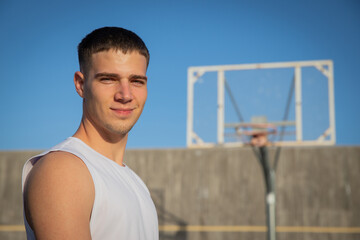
(111, 146)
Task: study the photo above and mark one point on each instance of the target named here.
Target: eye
(138, 82)
(106, 80)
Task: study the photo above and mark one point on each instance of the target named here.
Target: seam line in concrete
(284, 229)
(12, 228)
(198, 228)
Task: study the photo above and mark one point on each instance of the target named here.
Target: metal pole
(269, 176)
(331, 102)
(220, 110)
(190, 108)
(298, 104)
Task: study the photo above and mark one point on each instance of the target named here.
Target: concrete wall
(213, 188)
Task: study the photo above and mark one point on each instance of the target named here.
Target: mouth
(122, 111)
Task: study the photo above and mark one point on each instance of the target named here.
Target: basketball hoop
(259, 141)
(258, 132)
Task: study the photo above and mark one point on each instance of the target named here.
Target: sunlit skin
(114, 93)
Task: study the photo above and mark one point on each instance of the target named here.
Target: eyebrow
(114, 75)
(134, 76)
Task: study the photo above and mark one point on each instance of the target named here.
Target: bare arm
(59, 195)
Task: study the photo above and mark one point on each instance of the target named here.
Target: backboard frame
(324, 66)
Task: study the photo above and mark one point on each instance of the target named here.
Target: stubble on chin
(121, 129)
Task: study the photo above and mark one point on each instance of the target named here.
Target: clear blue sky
(39, 106)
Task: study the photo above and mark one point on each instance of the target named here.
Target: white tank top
(123, 208)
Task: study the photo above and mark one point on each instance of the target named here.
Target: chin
(119, 130)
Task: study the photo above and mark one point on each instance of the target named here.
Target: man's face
(115, 91)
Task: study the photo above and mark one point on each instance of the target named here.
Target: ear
(79, 81)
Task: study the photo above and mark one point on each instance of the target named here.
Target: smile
(122, 111)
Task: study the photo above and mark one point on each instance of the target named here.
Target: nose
(123, 93)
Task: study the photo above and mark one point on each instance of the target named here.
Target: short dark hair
(106, 38)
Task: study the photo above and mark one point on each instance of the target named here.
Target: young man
(81, 188)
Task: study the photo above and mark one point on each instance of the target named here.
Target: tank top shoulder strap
(71, 145)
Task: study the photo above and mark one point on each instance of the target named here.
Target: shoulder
(60, 168)
(58, 185)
